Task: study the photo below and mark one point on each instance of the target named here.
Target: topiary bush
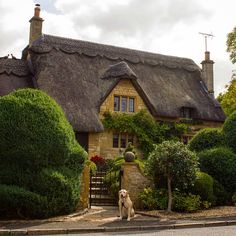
(203, 187)
(220, 163)
(229, 130)
(222, 197)
(206, 139)
(39, 152)
(18, 202)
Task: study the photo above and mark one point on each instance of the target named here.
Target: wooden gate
(104, 187)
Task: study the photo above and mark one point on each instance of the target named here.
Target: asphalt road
(207, 231)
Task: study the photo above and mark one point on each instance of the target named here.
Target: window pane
(131, 139)
(123, 141)
(115, 140)
(124, 104)
(116, 103)
(131, 104)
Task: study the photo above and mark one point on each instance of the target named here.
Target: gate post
(134, 181)
(84, 188)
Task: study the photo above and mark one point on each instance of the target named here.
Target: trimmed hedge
(17, 202)
(39, 152)
(206, 139)
(220, 163)
(203, 187)
(229, 130)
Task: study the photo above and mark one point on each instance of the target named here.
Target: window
(122, 140)
(123, 104)
(186, 112)
(115, 140)
(116, 103)
(131, 104)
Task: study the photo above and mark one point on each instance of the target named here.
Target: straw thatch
(80, 75)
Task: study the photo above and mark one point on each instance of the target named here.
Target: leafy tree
(231, 45)
(174, 161)
(228, 98)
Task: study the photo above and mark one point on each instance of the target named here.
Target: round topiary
(35, 135)
(206, 139)
(220, 163)
(203, 187)
(229, 130)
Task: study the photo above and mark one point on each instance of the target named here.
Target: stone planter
(129, 156)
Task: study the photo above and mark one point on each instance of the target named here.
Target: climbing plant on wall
(145, 127)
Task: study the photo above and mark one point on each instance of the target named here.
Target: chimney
(36, 23)
(207, 73)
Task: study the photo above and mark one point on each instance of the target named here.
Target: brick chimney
(207, 73)
(36, 23)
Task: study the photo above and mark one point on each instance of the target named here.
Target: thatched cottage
(87, 79)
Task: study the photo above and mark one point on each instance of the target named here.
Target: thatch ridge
(47, 42)
(14, 66)
(119, 70)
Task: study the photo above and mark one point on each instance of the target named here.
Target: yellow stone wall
(123, 88)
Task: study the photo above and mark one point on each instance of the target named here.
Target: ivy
(147, 130)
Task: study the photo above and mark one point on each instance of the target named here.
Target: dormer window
(124, 104)
(186, 112)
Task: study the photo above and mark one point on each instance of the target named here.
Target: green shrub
(222, 197)
(205, 139)
(234, 199)
(220, 163)
(154, 199)
(229, 130)
(20, 203)
(186, 202)
(38, 148)
(203, 187)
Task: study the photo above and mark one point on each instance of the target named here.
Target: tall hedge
(206, 139)
(229, 130)
(39, 152)
(220, 163)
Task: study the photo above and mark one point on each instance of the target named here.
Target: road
(207, 231)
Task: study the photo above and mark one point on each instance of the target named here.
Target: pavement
(105, 219)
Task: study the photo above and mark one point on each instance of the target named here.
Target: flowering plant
(98, 160)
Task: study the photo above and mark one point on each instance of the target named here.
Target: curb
(115, 229)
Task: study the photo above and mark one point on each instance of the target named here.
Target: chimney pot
(207, 55)
(37, 10)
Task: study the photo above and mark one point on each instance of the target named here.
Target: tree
(228, 98)
(175, 162)
(231, 45)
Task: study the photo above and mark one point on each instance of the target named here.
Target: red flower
(97, 159)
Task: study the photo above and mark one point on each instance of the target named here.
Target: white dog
(125, 205)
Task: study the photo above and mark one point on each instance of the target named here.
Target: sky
(169, 27)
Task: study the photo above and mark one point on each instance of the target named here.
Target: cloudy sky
(168, 27)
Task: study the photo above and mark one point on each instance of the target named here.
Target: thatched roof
(14, 74)
(80, 74)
